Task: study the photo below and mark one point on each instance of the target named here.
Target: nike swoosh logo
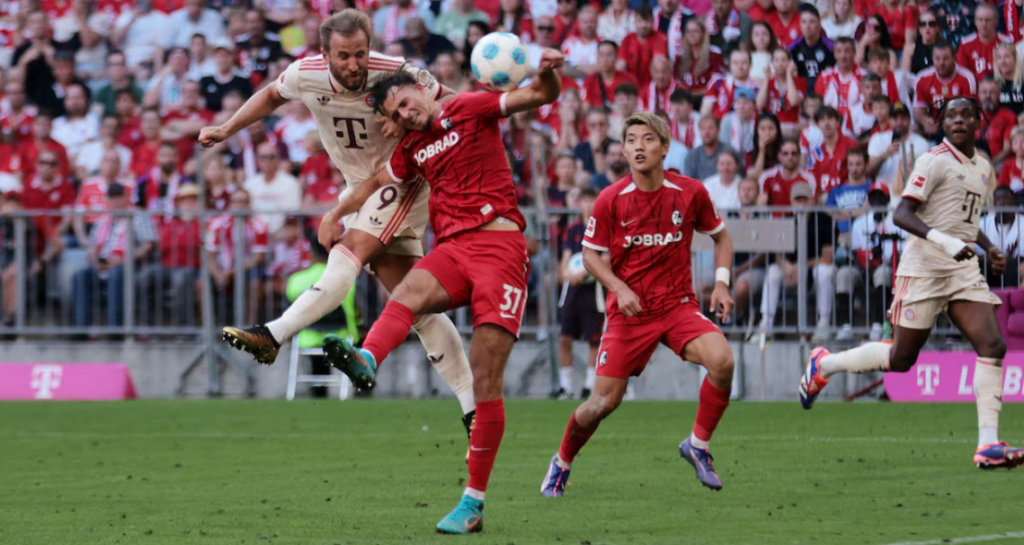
(478, 449)
(625, 223)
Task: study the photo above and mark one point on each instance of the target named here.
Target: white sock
(444, 347)
(474, 493)
(988, 390)
(322, 298)
(699, 443)
(824, 280)
(562, 463)
(565, 378)
(591, 377)
(865, 358)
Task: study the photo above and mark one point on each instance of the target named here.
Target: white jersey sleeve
(288, 82)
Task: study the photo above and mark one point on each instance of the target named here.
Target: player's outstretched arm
(721, 300)
(351, 202)
(259, 106)
(629, 303)
(544, 89)
(906, 218)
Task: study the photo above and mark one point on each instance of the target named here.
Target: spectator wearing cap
(453, 22)
(639, 48)
(273, 190)
(739, 126)
(164, 89)
(225, 79)
(156, 189)
(996, 121)
(783, 270)
(258, 48)
(625, 105)
(221, 243)
(702, 162)
(684, 122)
(872, 238)
(16, 119)
(118, 79)
(420, 43)
(140, 33)
(194, 18)
(887, 149)
(1005, 231)
(87, 162)
(77, 126)
(108, 249)
(173, 279)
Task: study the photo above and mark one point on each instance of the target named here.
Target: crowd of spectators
(770, 102)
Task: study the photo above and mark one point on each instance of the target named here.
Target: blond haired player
(385, 232)
(939, 272)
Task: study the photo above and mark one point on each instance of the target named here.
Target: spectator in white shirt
(888, 148)
(724, 186)
(581, 51)
(87, 162)
(78, 125)
(190, 20)
(164, 90)
(616, 22)
(273, 190)
(140, 34)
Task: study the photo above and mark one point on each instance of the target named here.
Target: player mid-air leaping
(385, 232)
(646, 222)
(939, 272)
(480, 259)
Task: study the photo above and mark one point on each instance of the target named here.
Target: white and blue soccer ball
(576, 267)
(499, 61)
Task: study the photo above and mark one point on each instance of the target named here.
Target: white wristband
(723, 275)
(951, 245)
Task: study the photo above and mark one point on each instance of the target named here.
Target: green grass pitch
(272, 472)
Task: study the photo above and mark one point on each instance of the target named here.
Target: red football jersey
(838, 90)
(996, 129)
(779, 104)
(829, 168)
(777, 186)
(785, 33)
(220, 239)
(932, 91)
(1011, 175)
(722, 90)
(653, 100)
(648, 235)
(976, 55)
(16, 128)
(592, 94)
(899, 21)
(180, 243)
(698, 81)
(463, 156)
(638, 54)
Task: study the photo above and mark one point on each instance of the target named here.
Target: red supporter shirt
(777, 186)
(648, 235)
(698, 82)
(829, 168)
(653, 100)
(220, 239)
(131, 133)
(898, 21)
(996, 129)
(1011, 17)
(838, 90)
(779, 104)
(10, 159)
(976, 55)
(638, 54)
(144, 157)
(548, 114)
(187, 144)
(55, 9)
(316, 168)
(564, 29)
(16, 128)
(92, 197)
(932, 91)
(686, 131)
(290, 257)
(180, 242)
(29, 151)
(591, 93)
(722, 90)
(785, 33)
(1011, 176)
(57, 195)
(462, 155)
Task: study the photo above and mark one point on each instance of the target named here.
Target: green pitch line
(255, 472)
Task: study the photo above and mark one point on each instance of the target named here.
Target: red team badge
(917, 181)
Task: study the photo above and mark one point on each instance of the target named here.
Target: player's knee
(902, 361)
(993, 348)
(606, 404)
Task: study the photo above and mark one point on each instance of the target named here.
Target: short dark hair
(861, 151)
(680, 95)
(845, 40)
(883, 99)
(871, 76)
(878, 53)
(789, 141)
(971, 101)
(645, 12)
(122, 92)
(588, 192)
(379, 93)
(609, 42)
(809, 8)
(942, 44)
(827, 111)
(627, 89)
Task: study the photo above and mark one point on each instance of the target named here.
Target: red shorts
(487, 270)
(627, 347)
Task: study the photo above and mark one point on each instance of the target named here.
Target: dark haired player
(646, 222)
(938, 272)
(480, 259)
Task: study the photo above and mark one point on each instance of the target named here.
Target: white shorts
(920, 300)
(396, 215)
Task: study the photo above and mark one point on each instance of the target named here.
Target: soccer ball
(499, 61)
(576, 267)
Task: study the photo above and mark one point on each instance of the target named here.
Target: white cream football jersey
(346, 119)
(952, 189)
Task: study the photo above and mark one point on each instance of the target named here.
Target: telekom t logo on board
(46, 379)
(927, 378)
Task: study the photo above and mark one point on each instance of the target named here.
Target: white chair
(335, 378)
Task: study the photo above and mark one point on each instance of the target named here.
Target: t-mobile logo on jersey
(436, 148)
(46, 379)
(927, 378)
(350, 130)
(653, 240)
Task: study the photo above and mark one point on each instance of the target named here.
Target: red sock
(389, 331)
(573, 440)
(713, 402)
(484, 442)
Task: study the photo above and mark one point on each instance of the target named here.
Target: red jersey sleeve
(598, 235)
(260, 239)
(399, 167)
(706, 221)
(485, 104)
